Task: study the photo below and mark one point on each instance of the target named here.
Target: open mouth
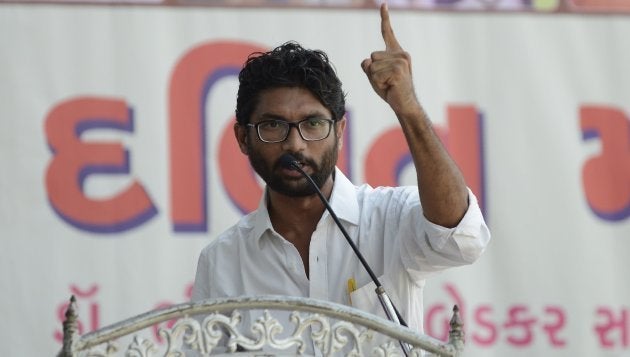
(300, 164)
(293, 171)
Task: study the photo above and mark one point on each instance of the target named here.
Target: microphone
(289, 161)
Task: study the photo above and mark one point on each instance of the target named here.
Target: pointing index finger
(391, 43)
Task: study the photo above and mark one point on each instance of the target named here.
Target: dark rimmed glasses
(310, 129)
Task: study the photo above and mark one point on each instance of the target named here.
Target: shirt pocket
(365, 299)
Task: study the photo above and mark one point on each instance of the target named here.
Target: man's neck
(294, 213)
(295, 218)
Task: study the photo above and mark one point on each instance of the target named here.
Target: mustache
(298, 157)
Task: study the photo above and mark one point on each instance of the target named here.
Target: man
(290, 101)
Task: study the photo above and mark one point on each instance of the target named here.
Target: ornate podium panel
(283, 325)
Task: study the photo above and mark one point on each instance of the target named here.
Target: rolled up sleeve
(471, 235)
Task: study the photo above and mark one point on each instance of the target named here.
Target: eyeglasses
(275, 131)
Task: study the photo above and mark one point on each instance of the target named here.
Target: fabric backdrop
(119, 164)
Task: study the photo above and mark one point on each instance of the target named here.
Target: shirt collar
(343, 200)
(262, 222)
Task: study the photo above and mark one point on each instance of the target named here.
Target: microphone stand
(389, 308)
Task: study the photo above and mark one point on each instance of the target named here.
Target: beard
(269, 172)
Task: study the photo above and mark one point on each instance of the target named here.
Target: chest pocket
(365, 298)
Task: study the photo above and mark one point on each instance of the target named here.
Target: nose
(294, 141)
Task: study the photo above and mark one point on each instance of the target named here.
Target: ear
(341, 127)
(240, 132)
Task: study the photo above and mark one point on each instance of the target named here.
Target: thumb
(365, 65)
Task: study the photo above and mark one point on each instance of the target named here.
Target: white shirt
(386, 224)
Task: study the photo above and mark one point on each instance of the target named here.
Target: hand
(389, 71)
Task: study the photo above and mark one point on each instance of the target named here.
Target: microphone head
(288, 161)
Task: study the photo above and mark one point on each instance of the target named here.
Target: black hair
(288, 65)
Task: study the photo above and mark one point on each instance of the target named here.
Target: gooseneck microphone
(289, 161)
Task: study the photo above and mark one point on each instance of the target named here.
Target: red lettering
(441, 331)
(518, 321)
(193, 78)
(518, 329)
(343, 161)
(465, 144)
(155, 329)
(93, 315)
(74, 160)
(188, 291)
(94, 306)
(444, 311)
(386, 159)
(606, 177)
(239, 179)
(484, 323)
(389, 154)
(590, 6)
(612, 324)
(61, 317)
(554, 327)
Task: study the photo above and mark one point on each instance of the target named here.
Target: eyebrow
(272, 116)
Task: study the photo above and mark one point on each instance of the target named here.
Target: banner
(120, 165)
(506, 6)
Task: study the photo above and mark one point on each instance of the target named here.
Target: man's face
(318, 158)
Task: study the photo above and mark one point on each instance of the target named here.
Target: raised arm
(441, 185)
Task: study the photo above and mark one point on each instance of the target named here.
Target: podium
(281, 326)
